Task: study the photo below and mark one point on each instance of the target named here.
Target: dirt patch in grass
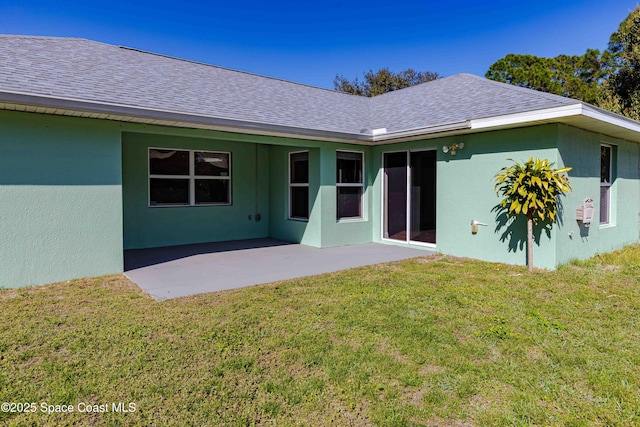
(440, 422)
(416, 397)
(434, 258)
(535, 354)
(431, 369)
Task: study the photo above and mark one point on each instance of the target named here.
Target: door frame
(383, 199)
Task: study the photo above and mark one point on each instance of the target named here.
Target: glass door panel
(423, 196)
(395, 194)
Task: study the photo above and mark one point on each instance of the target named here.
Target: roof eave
(579, 115)
(422, 133)
(133, 114)
(526, 117)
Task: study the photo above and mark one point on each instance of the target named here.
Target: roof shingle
(84, 70)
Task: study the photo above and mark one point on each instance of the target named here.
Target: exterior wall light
(453, 148)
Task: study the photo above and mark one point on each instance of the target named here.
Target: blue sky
(310, 42)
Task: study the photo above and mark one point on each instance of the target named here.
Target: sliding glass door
(409, 198)
(395, 196)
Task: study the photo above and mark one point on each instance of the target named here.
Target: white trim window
(189, 177)
(606, 179)
(349, 184)
(299, 185)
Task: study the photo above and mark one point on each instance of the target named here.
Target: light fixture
(453, 148)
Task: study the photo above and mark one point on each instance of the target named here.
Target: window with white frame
(349, 184)
(189, 177)
(299, 185)
(606, 179)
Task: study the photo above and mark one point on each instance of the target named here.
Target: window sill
(190, 206)
(348, 220)
(299, 219)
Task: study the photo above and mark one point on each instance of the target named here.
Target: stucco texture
(581, 150)
(465, 192)
(61, 209)
(259, 180)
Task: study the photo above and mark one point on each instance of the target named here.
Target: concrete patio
(176, 271)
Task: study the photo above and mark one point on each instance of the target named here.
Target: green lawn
(432, 341)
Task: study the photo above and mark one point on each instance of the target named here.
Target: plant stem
(530, 243)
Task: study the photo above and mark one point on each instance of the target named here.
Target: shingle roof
(455, 99)
(90, 71)
(84, 70)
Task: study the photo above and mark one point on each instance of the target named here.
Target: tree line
(608, 79)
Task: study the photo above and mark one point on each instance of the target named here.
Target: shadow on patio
(176, 271)
(138, 258)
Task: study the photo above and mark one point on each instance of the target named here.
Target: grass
(426, 342)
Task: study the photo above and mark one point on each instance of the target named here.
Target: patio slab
(178, 271)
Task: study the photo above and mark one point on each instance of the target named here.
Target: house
(106, 148)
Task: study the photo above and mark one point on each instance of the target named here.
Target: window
(349, 184)
(299, 185)
(189, 178)
(606, 178)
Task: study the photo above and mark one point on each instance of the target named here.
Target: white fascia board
(611, 118)
(420, 132)
(557, 114)
(527, 117)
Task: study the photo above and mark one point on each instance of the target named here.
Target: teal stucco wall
(465, 192)
(146, 227)
(280, 226)
(347, 231)
(74, 194)
(61, 199)
(581, 150)
(322, 229)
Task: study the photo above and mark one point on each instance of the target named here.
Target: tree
(575, 76)
(532, 189)
(610, 81)
(382, 81)
(621, 88)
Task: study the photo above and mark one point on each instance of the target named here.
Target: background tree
(610, 80)
(382, 81)
(575, 76)
(532, 190)
(621, 63)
